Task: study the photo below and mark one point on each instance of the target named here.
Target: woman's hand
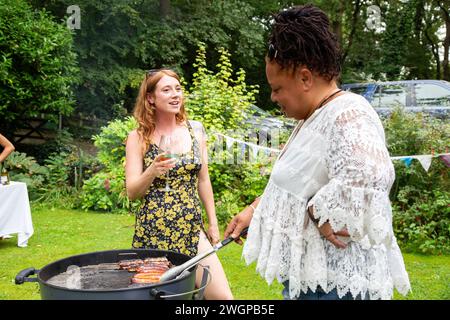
(238, 223)
(329, 234)
(160, 166)
(213, 234)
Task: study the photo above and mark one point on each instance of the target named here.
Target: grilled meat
(145, 278)
(151, 270)
(130, 265)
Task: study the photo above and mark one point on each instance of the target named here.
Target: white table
(15, 213)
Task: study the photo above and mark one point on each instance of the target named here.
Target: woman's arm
(8, 148)
(138, 180)
(205, 192)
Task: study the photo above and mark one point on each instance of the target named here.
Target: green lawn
(62, 233)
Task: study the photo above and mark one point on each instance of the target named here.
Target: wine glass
(166, 144)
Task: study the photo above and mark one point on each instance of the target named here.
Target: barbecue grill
(95, 276)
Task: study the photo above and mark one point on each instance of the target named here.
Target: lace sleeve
(361, 174)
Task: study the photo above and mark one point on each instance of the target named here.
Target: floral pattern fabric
(172, 220)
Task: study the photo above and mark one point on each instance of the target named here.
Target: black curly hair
(301, 35)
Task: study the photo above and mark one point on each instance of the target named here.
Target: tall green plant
(105, 190)
(216, 99)
(420, 199)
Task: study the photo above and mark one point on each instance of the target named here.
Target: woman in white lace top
(323, 226)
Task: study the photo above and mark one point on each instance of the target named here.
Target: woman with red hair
(170, 218)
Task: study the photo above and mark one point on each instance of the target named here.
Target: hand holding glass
(166, 144)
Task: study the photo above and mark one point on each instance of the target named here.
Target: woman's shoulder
(133, 135)
(350, 103)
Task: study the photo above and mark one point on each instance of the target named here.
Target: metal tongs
(181, 270)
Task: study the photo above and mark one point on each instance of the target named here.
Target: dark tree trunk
(446, 16)
(435, 51)
(355, 16)
(336, 24)
(164, 8)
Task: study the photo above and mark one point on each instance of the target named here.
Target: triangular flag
(229, 142)
(407, 161)
(255, 151)
(425, 161)
(445, 159)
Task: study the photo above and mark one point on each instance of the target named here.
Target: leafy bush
(216, 99)
(26, 169)
(56, 183)
(37, 65)
(420, 199)
(105, 190)
(111, 141)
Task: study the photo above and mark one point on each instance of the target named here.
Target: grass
(62, 233)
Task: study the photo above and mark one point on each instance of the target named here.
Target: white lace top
(338, 163)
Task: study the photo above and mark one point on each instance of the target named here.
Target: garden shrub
(105, 190)
(420, 199)
(37, 64)
(24, 168)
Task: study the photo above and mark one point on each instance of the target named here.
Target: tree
(444, 5)
(120, 39)
(37, 64)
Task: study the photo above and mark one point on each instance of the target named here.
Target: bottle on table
(4, 177)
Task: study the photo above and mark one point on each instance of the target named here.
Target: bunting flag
(425, 159)
(445, 159)
(407, 161)
(229, 143)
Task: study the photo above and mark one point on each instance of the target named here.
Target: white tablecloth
(15, 213)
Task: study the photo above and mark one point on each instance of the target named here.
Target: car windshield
(392, 95)
(358, 90)
(431, 95)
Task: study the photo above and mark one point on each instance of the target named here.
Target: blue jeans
(319, 294)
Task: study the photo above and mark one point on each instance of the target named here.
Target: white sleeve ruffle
(361, 175)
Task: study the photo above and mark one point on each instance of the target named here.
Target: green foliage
(25, 169)
(60, 143)
(216, 99)
(37, 64)
(419, 198)
(237, 185)
(111, 142)
(119, 39)
(66, 172)
(105, 190)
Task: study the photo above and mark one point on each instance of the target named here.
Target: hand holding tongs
(178, 270)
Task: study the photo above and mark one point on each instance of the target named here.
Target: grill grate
(105, 276)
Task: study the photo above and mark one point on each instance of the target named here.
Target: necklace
(324, 100)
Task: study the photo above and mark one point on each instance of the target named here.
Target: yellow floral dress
(172, 220)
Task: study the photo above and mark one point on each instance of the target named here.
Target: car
(265, 127)
(428, 96)
(261, 120)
